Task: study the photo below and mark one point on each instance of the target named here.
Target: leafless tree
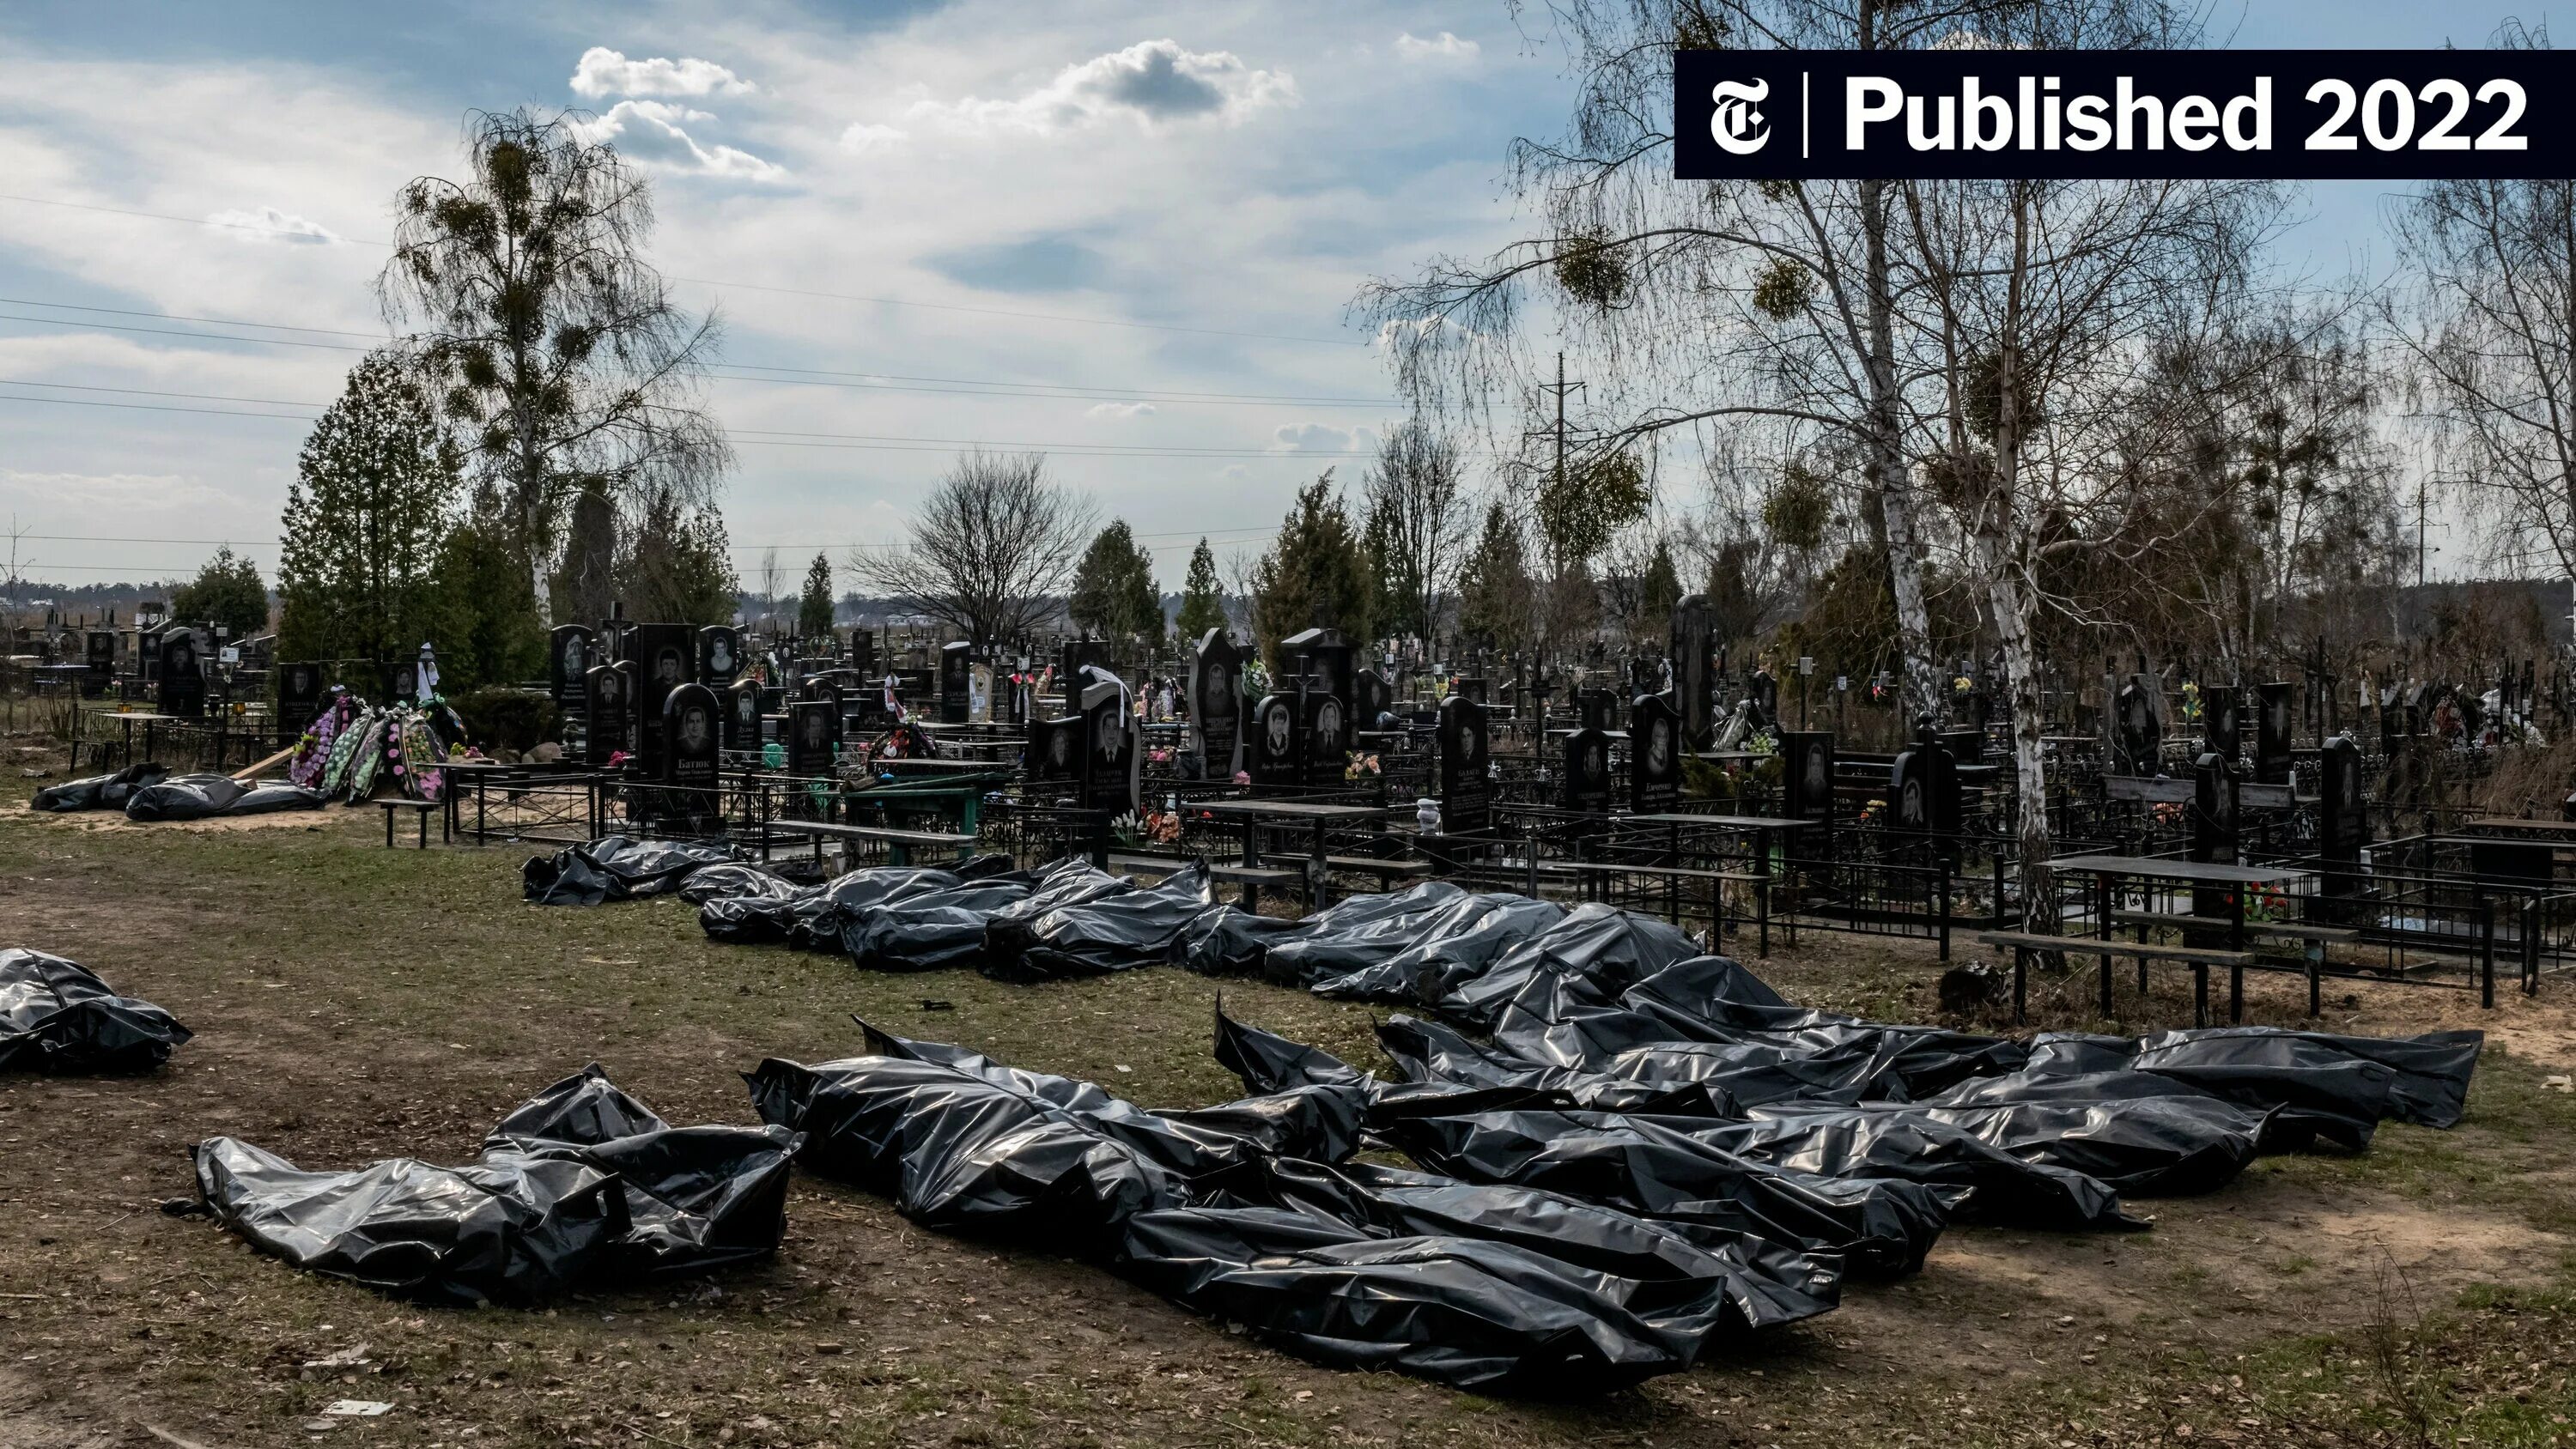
(992, 548)
(564, 362)
(769, 590)
(2489, 321)
(1415, 497)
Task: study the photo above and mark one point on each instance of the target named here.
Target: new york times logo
(1735, 126)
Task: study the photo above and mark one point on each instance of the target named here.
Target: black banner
(2289, 115)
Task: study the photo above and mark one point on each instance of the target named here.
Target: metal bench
(899, 844)
(2199, 958)
(422, 809)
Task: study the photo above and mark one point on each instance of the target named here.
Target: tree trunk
(2014, 602)
(1922, 693)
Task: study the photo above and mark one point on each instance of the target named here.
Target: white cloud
(1444, 48)
(861, 137)
(1153, 81)
(604, 72)
(99, 495)
(1320, 438)
(650, 131)
(268, 224)
(1121, 410)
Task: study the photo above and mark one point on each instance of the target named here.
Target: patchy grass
(354, 1002)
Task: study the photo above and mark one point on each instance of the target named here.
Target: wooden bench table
(2200, 959)
(422, 810)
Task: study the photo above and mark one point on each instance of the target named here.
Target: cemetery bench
(899, 844)
(2200, 959)
(1674, 876)
(421, 811)
(1250, 876)
(2238, 879)
(1252, 815)
(1384, 870)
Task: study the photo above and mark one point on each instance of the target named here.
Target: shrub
(504, 718)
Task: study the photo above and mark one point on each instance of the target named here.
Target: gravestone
(813, 733)
(183, 675)
(1112, 760)
(1054, 750)
(1216, 703)
(2343, 818)
(1277, 746)
(956, 680)
(2273, 724)
(1466, 786)
(1587, 772)
(1807, 787)
(693, 734)
(402, 681)
(1473, 687)
(605, 705)
(1328, 663)
(1654, 755)
(570, 653)
(1328, 737)
(300, 691)
(1372, 699)
(2213, 840)
(719, 656)
(2222, 719)
(615, 637)
(1694, 668)
(742, 715)
(2138, 722)
(102, 658)
(1923, 793)
(1966, 746)
(980, 683)
(863, 653)
(665, 657)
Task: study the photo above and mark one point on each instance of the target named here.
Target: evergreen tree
(1202, 598)
(1314, 575)
(366, 517)
(587, 584)
(814, 611)
(1662, 589)
(1113, 588)
(487, 629)
(227, 592)
(679, 567)
(1496, 597)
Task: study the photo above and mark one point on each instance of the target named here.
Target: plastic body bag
(57, 1017)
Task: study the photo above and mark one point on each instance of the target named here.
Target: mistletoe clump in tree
(561, 360)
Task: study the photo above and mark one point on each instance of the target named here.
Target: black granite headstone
(300, 691)
(1923, 792)
(2223, 721)
(1216, 703)
(813, 734)
(1055, 749)
(1695, 668)
(2274, 721)
(2137, 744)
(2213, 839)
(1077, 655)
(693, 734)
(1328, 663)
(1328, 738)
(1764, 690)
(1587, 772)
(1654, 755)
(570, 652)
(1111, 758)
(1466, 783)
(1277, 746)
(742, 714)
(1807, 785)
(719, 656)
(1597, 709)
(1472, 687)
(606, 705)
(102, 658)
(183, 675)
(1371, 698)
(956, 680)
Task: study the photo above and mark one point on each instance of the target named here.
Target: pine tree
(1114, 595)
(1495, 594)
(1314, 576)
(814, 611)
(1202, 598)
(485, 624)
(1662, 589)
(366, 517)
(679, 568)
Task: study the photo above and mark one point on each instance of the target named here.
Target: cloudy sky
(1124, 233)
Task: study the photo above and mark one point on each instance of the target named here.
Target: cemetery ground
(353, 1002)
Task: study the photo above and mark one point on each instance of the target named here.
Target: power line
(744, 286)
(755, 437)
(738, 372)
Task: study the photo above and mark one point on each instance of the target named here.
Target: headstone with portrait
(2213, 839)
(1654, 754)
(956, 681)
(742, 714)
(1327, 663)
(605, 707)
(1807, 788)
(1372, 698)
(1112, 759)
(2137, 744)
(1327, 728)
(719, 656)
(813, 737)
(2222, 721)
(1055, 749)
(693, 734)
(183, 674)
(300, 691)
(1466, 768)
(1277, 747)
(1923, 795)
(1694, 668)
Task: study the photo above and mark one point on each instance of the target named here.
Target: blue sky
(1116, 198)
